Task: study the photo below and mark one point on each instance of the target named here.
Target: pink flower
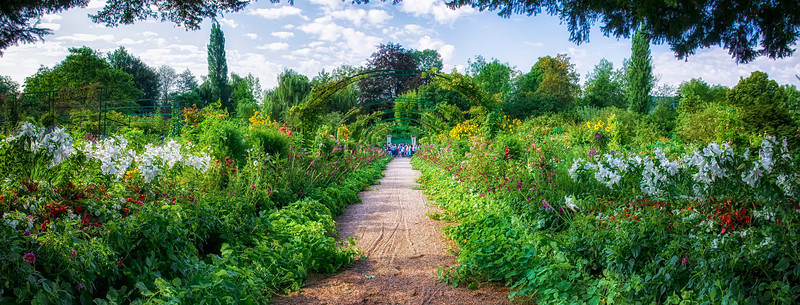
(30, 258)
(683, 262)
(72, 256)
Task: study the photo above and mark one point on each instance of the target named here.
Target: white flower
(570, 203)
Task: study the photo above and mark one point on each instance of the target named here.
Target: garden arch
(309, 111)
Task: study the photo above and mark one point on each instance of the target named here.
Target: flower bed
(121, 220)
(666, 226)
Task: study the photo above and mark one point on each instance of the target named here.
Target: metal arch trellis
(308, 111)
(58, 108)
(381, 126)
(393, 110)
(407, 122)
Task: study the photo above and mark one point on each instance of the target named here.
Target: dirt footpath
(404, 249)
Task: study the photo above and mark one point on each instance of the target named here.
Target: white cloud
(229, 22)
(360, 16)
(446, 50)
(128, 41)
(51, 17)
(96, 4)
(87, 37)
(18, 63)
(716, 66)
(148, 34)
(256, 64)
(289, 27)
(277, 13)
(328, 5)
(282, 35)
(253, 36)
(275, 46)
(52, 26)
(348, 40)
(435, 8)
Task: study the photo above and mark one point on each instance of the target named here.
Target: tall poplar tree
(640, 73)
(218, 68)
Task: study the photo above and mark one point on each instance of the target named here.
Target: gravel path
(404, 250)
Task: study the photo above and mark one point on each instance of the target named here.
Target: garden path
(404, 249)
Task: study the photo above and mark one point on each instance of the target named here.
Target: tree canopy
(389, 57)
(603, 87)
(218, 69)
(746, 28)
(144, 77)
(84, 67)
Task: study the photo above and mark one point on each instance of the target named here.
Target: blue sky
(265, 38)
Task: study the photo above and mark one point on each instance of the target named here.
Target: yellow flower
(608, 128)
(588, 125)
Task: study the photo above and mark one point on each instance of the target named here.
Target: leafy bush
(268, 140)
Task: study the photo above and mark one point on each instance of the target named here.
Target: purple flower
(546, 204)
(27, 233)
(30, 258)
(592, 152)
(683, 262)
(72, 256)
(80, 287)
(597, 136)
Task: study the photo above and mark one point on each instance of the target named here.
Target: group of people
(400, 150)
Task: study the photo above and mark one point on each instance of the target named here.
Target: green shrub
(268, 140)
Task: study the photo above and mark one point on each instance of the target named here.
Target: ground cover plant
(573, 211)
(226, 213)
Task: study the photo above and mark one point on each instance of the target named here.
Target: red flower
(30, 258)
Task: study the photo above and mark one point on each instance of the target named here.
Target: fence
(89, 109)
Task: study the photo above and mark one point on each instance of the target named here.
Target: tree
(640, 73)
(84, 67)
(550, 86)
(218, 68)
(696, 94)
(167, 80)
(245, 93)
(8, 85)
(603, 88)
(186, 81)
(758, 102)
(494, 77)
(19, 19)
(343, 99)
(428, 59)
(388, 57)
(144, 77)
(292, 89)
(740, 26)
(747, 28)
(792, 104)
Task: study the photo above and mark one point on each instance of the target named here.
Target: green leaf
(782, 265)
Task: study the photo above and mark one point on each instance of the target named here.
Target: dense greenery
(246, 210)
(590, 211)
(610, 193)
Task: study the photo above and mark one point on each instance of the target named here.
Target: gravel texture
(404, 249)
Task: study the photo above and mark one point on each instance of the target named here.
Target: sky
(266, 38)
